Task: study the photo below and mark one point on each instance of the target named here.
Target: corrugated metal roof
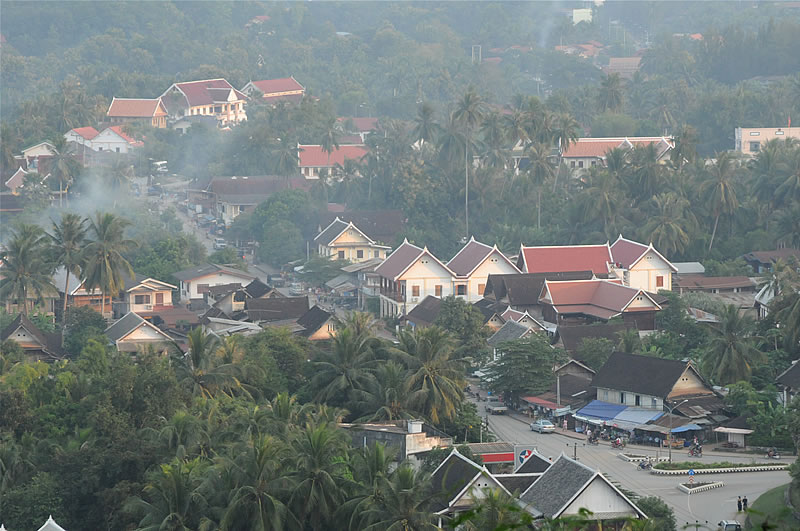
(601, 410)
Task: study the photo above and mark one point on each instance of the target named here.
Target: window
(594, 163)
(755, 147)
(202, 288)
(437, 290)
(653, 402)
(481, 288)
(360, 253)
(580, 164)
(779, 133)
(572, 164)
(755, 133)
(659, 281)
(340, 254)
(377, 254)
(159, 299)
(117, 150)
(622, 398)
(100, 148)
(415, 291)
(141, 299)
(461, 289)
(605, 394)
(637, 400)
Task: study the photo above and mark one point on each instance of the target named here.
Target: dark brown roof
(701, 406)
(426, 312)
(574, 390)
(573, 336)
(517, 482)
(251, 190)
(213, 312)
(50, 341)
(790, 377)
(450, 478)
(383, 226)
(224, 289)
(535, 464)
(469, 257)
(524, 289)
(257, 289)
(330, 232)
(10, 203)
(276, 309)
(768, 257)
(313, 320)
(639, 374)
(400, 260)
(703, 282)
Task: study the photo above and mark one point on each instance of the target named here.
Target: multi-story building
(211, 97)
(750, 140)
(148, 111)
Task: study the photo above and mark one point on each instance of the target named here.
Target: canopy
(741, 431)
(601, 410)
(536, 401)
(652, 428)
(687, 427)
(638, 416)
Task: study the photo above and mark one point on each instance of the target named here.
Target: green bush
(685, 465)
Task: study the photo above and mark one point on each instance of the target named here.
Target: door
(159, 299)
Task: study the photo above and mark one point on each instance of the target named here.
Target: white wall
(426, 274)
(643, 275)
(110, 141)
(494, 264)
(645, 401)
(189, 289)
(600, 498)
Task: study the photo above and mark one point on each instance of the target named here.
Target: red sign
(506, 457)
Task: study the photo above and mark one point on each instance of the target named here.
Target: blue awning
(601, 410)
(638, 415)
(687, 427)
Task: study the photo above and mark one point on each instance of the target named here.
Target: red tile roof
(312, 156)
(362, 125)
(284, 84)
(86, 132)
(594, 297)
(135, 108)
(118, 129)
(598, 147)
(203, 93)
(594, 258)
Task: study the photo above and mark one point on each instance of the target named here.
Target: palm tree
(404, 507)
(789, 225)
(119, 175)
(600, 199)
(495, 144)
(496, 510)
(565, 133)
(720, 190)
(27, 270)
(196, 369)
(287, 158)
(329, 140)
(370, 469)
(732, 351)
(436, 379)
(63, 165)
(647, 172)
(319, 475)
(610, 94)
(468, 114)
(425, 126)
(540, 170)
(667, 228)
(388, 399)
(105, 261)
(259, 476)
(67, 242)
(343, 373)
(230, 349)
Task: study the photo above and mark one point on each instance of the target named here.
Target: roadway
(710, 506)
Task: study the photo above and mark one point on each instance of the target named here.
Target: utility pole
(575, 449)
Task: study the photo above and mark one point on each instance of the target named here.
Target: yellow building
(342, 240)
(211, 97)
(750, 140)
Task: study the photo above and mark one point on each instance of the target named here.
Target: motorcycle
(696, 452)
(593, 441)
(615, 444)
(645, 465)
(773, 454)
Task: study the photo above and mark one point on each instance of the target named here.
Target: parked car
(219, 244)
(729, 525)
(543, 426)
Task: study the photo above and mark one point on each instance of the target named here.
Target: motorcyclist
(772, 452)
(618, 441)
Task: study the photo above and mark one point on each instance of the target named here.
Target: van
(295, 288)
(219, 244)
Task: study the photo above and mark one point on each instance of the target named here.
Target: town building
(37, 345)
(228, 197)
(211, 97)
(625, 67)
(762, 261)
(587, 152)
(315, 162)
(272, 91)
(472, 266)
(114, 139)
(750, 140)
(408, 437)
(641, 266)
(132, 333)
(317, 324)
(150, 112)
(566, 258)
(343, 240)
(196, 281)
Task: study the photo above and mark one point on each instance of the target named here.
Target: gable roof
(51, 525)
(331, 232)
(599, 298)
(599, 147)
(127, 324)
(557, 486)
(313, 319)
(148, 283)
(86, 132)
(51, 342)
(381, 225)
(257, 289)
(472, 255)
(628, 253)
(510, 331)
(362, 124)
(790, 377)
(516, 482)
(639, 374)
(524, 289)
(535, 464)
(208, 269)
(252, 190)
(276, 309)
(117, 129)
(450, 478)
(768, 257)
(402, 258)
(205, 92)
(594, 258)
(701, 282)
(135, 108)
(573, 336)
(426, 312)
(270, 86)
(313, 156)
(16, 180)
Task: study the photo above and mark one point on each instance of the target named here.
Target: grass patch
(697, 465)
(770, 507)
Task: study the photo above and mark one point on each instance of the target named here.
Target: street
(710, 506)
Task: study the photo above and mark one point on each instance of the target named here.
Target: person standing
(739, 505)
(744, 504)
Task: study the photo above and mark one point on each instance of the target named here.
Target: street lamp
(669, 435)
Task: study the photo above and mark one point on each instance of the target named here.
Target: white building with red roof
(473, 264)
(210, 97)
(588, 152)
(313, 159)
(82, 136)
(641, 266)
(276, 90)
(566, 258)
(113, 139)
(149, 111)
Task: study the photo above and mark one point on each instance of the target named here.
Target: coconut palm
(469, 113)
(404, 507)
(425, 126)
(539, 171)
(496, 510)
(319, 475)
(329, 141)
(731, 351)
(343, 373)
(388, 398)
(436, 376)
(371, 471)
(600, 199)
(287, 158)
(27, 269)
(667, 228)
(565, 133)
(118, 176)
(720, 190)
(789, 225)
(67, 242)
(63, 165)
(611, 93)
(196, 369)
(105, 261)
(230, 350)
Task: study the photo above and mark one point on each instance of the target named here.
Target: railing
(393, 294)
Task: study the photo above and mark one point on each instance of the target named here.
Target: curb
(635, 458)
(767, 468)
(687, 490)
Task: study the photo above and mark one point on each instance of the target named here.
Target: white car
(543, 426)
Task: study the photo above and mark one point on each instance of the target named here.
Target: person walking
(744, 504)
(739, 505)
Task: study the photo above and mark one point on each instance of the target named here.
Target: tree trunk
(60, 193)
(713, 233)
(539, 209)
(466, 187)
(103, 303)
(66, 296)
(558, 171)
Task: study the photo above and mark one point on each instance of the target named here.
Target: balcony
(394, 295)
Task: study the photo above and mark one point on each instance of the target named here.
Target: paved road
(710, 506)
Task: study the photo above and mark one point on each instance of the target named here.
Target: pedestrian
(739, 505)
(564, 424)
(744, 503)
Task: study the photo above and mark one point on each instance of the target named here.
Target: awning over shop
(652, 428)
(541, 402)
(687, 427)
(601, 410)
(637, 415)
(740, 431)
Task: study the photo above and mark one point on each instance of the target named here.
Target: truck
(495, 406)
